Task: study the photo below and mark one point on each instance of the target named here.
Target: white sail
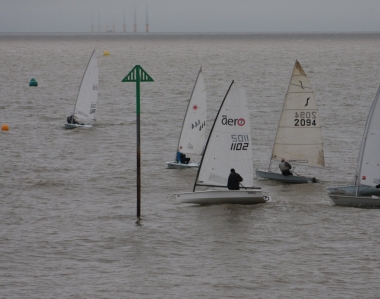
(364, 193)
(85, 106)
(299, 138)
(192, 139)
(229, 144)
(368, 168)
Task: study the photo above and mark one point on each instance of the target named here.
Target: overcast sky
(191, 15)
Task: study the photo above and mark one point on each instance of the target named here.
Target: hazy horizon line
(190, 32)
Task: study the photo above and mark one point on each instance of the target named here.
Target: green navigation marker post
(137, 74)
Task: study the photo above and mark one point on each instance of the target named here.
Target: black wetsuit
(71, 120)
(233, 181)
(184, 160)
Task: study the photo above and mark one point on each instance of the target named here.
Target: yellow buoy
(106, 53)
(4, 127)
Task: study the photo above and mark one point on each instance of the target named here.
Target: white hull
(73, 126)
(251, 196)
(367, 170)
(353, 201)
(351, 190)
(175, 165)
(290, 179)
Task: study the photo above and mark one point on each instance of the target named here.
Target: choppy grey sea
(68, 197)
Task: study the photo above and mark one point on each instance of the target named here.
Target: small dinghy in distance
(85, 105)
(299, 137)
(192, 137)
(228, 146)
(367, 175)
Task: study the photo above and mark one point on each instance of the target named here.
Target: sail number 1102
(239, 142)
(305, 119)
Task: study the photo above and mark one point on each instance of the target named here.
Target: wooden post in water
(137, 74)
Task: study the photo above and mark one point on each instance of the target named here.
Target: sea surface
(68, 197)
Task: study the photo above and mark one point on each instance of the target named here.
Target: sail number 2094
(305, 119)
(239, 142)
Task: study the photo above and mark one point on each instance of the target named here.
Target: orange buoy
(4, 127)
(106, 53)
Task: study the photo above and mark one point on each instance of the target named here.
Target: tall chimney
(134, 24)
(98, 23)
(124, 23)
(92, 23)
(147, 23)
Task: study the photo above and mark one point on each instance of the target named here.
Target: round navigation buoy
(33, 82)
(106, 53)
(4, 127)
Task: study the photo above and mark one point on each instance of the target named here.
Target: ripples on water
(68, 197)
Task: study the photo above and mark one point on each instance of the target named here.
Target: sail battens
(368, 165)
(192, 137)
(298, 109)
(299, 128)
(228, 146)
(229, 143)
(85, 106)
(299, 134)
(297, 144)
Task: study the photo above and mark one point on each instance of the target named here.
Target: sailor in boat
(71, 120)
(234, 180)
(181, 158)
(285, 167)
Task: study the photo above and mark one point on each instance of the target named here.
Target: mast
(279, 121)
(209, 136)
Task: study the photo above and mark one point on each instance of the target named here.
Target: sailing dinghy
(192, 138)
(367, 176)
(298, 138)
(85, 106)
(228, 146)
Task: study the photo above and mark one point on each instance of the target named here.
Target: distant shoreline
(173, 36)
(194, 33)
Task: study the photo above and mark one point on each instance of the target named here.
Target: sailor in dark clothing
(181, 158)
(184, 160)
(233, 180)
(71, 120)
(285, 167)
